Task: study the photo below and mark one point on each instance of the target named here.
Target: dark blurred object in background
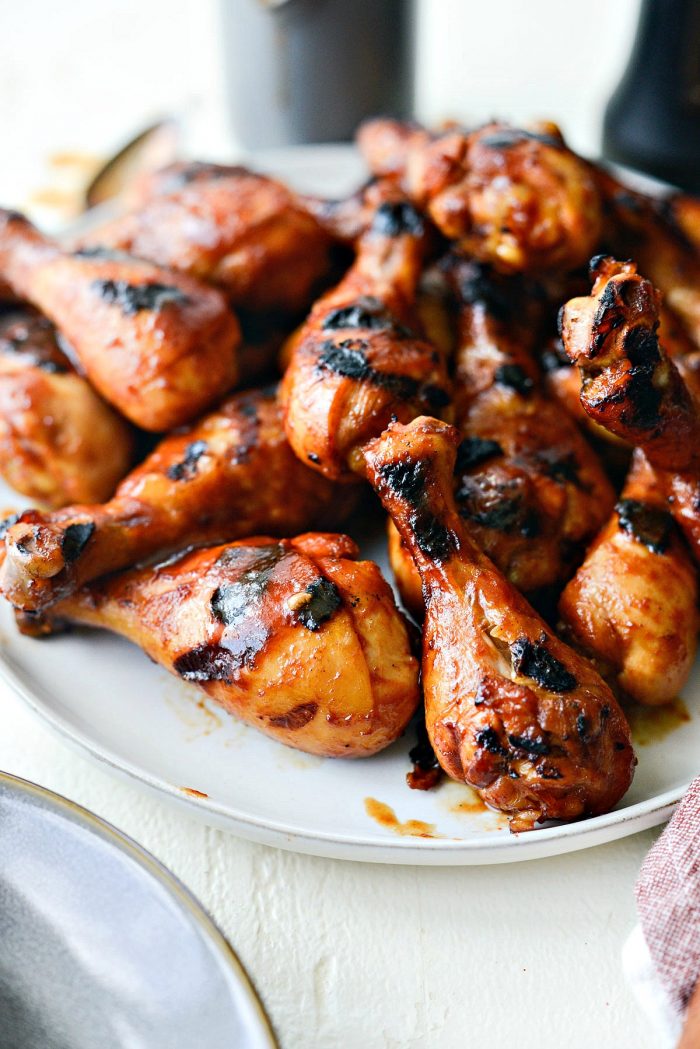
(653, 119)
(311, 70)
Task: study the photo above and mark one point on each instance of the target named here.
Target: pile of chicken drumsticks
(529, 455)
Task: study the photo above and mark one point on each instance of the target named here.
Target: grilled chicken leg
(158, 345)
(632, 605)
(509, 708)
(631, 387)
(59, 442)
(529, 489)
(295, 637)
(628, 385)
(515, 198)
(231, 475)
(357, 362)
(244, 232)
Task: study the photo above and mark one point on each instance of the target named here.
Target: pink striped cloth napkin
(662, 956)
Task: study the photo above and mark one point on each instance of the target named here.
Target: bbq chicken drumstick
(244, 232)
(628, 384)
(510, 709)
(530, 491)
(59, 442)
(632, 388)
(515, 198)
(231, 475)
(158, 345)
(295, 637)
(632, 605)
(359, 360)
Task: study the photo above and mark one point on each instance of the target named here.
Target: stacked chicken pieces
(421, 357)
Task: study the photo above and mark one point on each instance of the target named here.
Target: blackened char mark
(530, 744)
(75, 539)
(497, 505)
(434, 539)
(564, 469)
(488, 739)
(34, 339)
(186, 469)
(296, 718)
(642, 401)
(649, 525)
(397, 218)
(324, 600)
(408, 479)
(514, 377)
(473, 451)
(642, 349)
(133, 298)
(349, 359)
(546, 770)
(206, 663)
(608, 315)
(237, 604)
(509, 517)
(476, 285)
(249, 436)
(533, 660)
(366, 312)
(233, 601)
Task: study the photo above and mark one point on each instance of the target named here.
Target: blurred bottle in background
(652, 121)
(311, 70)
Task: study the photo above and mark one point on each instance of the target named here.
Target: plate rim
(538, 843)
(224, 954)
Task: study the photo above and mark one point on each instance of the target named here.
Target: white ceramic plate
(106, 697)
(102, 946)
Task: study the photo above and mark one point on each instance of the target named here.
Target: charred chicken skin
(295, 637)
(628, 384)
(230, 475)
(563, 381)
(632, 605)
(359, 361)
(244, 232)
(158, 345)
(59, 442)
(517, 199)
(510, 709)
(530, 491)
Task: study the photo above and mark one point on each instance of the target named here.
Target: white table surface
(368, 956)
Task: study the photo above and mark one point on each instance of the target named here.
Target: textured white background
(346, 955)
